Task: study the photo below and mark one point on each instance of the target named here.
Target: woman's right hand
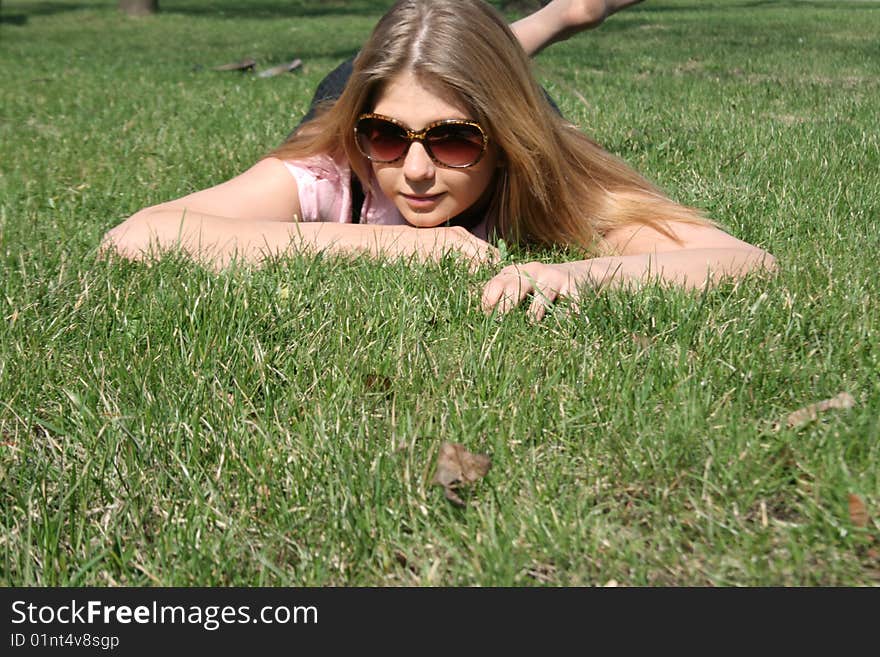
(436, 243)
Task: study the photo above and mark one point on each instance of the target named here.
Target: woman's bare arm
(255, 215)
(702, 255)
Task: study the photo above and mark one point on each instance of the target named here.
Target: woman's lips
(422, 201)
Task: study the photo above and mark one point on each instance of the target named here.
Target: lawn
(168, 425)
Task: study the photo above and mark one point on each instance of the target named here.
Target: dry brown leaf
(809, 413)
(453, 497)
(858, 512)
(455, 464)
(458, 467)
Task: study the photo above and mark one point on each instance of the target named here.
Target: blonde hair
(555, 185)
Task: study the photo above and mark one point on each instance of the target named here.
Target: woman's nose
(417, 164)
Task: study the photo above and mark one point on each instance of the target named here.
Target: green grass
(168, 425)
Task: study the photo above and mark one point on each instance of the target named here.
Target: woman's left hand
(545, 282)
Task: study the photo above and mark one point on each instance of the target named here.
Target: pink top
(324, 188)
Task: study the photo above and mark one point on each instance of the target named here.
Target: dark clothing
(330, 88)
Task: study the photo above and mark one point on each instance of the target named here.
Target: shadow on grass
(278, 8)
(216, 8)
(23, 11)
(271, 9)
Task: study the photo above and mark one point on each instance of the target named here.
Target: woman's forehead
(419, 100)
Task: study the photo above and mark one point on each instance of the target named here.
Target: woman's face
(428, 194)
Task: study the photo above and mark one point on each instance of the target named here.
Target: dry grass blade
(810, 413)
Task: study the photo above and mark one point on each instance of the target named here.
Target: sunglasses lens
(455, 145)
(380, 140)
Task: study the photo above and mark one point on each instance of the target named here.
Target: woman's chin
(425, 219)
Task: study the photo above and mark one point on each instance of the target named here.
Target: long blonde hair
(556, 186)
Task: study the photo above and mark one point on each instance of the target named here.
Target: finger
(492, 291)
(503, 293)
(490, 297)
(516, 290)
(543, 298)
(508, 289)
(495, 297)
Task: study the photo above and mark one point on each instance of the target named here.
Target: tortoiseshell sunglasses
(454, 143)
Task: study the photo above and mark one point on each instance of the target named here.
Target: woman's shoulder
(323, 186)
(325, 192)
(321, 167)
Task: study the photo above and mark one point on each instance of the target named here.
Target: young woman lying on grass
(440, 141)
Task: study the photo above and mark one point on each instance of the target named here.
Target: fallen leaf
(809, 413)
(858, 512)
(455, 465)
(281, 68)
(243, 65)
(453, 497)
(458, 467)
